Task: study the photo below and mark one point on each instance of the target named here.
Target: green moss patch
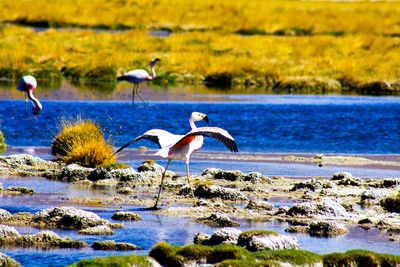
(360, 258)
(116, 261)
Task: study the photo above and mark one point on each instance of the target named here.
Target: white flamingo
(28, 84)
(138, 76)
(181, 147)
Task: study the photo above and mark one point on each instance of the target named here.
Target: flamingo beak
(205, 118)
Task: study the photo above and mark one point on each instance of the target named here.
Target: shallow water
(152, 228)
(265, 123)
(259, 123)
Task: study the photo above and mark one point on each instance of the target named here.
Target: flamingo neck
(153, 72)
(192, 125)
(36, 103)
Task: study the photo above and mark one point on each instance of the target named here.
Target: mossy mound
(228, 255)
(82, 142)
(116, 261)
(2, 142)
(391, 203)
(360, 258)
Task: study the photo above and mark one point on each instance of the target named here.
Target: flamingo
(138, 76)
(181, 147)
(28, 84)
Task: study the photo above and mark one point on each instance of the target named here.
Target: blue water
(259, 123)
(153, 228)
(264, 123)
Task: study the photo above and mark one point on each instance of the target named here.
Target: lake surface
(259, 123)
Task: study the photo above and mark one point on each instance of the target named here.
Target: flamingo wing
(216, 133)
(134, 76)
(160, 137)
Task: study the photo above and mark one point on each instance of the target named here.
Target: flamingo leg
(138, 93)
(133, 92)
(26, 102)
(191, 189)
(161, 185)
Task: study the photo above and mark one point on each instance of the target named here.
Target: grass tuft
(391, 203)
(2, 142)
(82, 142)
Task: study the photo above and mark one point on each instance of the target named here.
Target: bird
(27, 84)
(180, 147)
(137, 76)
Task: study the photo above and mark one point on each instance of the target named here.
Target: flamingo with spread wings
(181, 147)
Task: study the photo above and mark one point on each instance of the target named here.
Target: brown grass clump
(82, 142)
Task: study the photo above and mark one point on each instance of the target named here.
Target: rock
(131, 176)
(74, 172)
(327, 229)
(224, 236)
(230, 175)
(297, 229)
(126, 216)
(215, 191)
(326, 208)
(259, 205)
(45, 239)
(390, 183)
(314, 184)
(6, 261)
(201, 238)
(341, 175)
(366, 223)
(370, 197)
(97, 230)
(257, 240)
(256, 177)
(125, 190)
(112, 245)
(211, 172)
(19, 160)
(150, 166)
(345, 178)
(4, 215)
(8, 232)
(69, 217)
(217, 219)
(21, 190)
(26, 165)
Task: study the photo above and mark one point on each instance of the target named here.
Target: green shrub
(82, 142)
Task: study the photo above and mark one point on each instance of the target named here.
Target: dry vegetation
(2, 142)
(82, 142)
(288, 45)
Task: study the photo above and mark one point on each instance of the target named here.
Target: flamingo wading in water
(181, 147)
(138, 76)
(28, 84)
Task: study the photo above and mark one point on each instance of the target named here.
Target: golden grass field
(283, 44)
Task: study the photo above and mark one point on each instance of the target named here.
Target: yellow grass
(2, 142)
(82, 142)
(279, 40)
